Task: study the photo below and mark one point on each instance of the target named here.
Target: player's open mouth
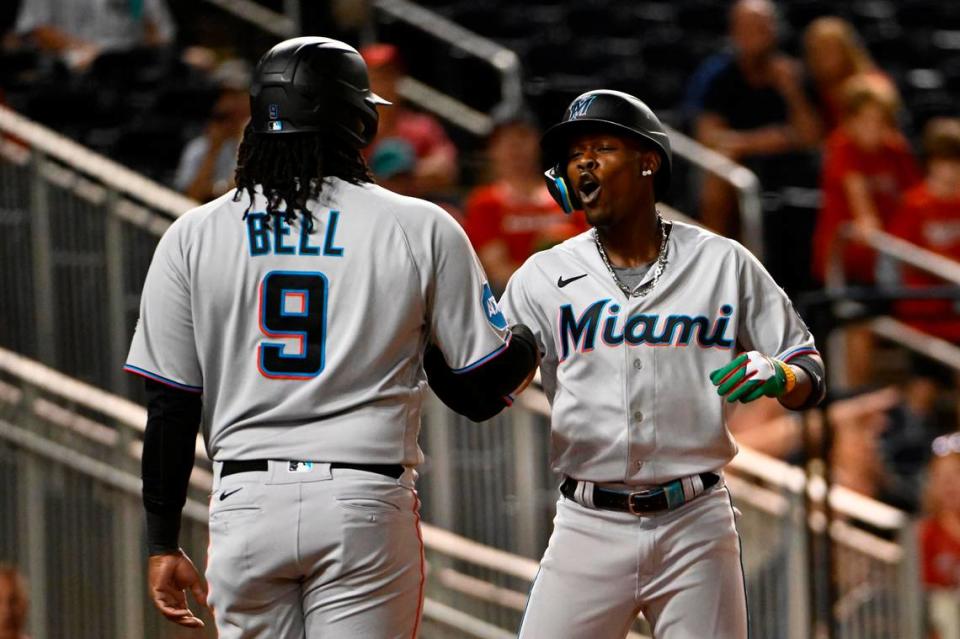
(588, 189)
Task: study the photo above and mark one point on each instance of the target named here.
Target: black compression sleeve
(482, 392)
(814, 369)
(169, 442)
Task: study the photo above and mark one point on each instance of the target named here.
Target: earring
(646, 173)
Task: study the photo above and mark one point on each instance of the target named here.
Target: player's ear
(648, 162)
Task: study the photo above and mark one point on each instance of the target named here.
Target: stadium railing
(78, 234)
(70, 518)
(79, 231)
(69, 461)
(903, 252)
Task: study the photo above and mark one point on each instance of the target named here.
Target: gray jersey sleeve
(768, 322)
(519, 308)
(463, 314)
(164, 346)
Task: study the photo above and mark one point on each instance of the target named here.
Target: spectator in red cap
(514, 215)
(435, 169)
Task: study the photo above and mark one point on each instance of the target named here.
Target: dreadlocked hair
(290, 169)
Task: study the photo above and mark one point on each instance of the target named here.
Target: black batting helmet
(615, 110)
(314, 84)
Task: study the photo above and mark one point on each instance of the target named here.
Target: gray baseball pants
(681, 569)
(310, 553)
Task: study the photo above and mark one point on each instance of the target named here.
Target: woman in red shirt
(834, 53)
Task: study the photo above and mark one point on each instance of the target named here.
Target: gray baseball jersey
(308, 345)
(627, 379)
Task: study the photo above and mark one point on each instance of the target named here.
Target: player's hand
(751, 376)
(169, 577)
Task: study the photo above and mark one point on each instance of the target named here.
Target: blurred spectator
(857, 424)
(769, 428)
(394, 162)
(13, 604)
(930, 217)
(207, 164)
(913, 425)
(868, 165)
(834, 53)
(80, 30)
(754, 109)
(940, 531)
(514, 216)
(436, 156)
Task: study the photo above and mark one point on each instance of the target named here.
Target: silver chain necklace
(645, 288)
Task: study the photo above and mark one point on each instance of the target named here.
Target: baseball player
(639, 323)
(294, 312)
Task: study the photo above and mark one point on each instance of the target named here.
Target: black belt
(664, 497)
(253, 465)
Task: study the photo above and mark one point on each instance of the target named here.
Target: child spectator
(834, 54)
(868, 166)
(13, 604)
(514, 216)
(930, 217)
(940, 531)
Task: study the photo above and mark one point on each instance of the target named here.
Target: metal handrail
(908, 253)
(256, 14)
(748, 462)
(109, 173)
(744, 181)
(892, 246)
(504, 60)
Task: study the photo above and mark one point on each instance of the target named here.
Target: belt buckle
(641, 493)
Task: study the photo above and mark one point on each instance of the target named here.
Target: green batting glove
(751, 376)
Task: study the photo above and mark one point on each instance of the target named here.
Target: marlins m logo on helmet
(579, 108)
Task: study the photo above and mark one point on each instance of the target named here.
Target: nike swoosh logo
(562, 282)
(224, 495)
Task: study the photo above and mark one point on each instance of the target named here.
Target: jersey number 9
(293, 306)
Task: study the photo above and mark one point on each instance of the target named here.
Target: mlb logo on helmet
(579, 108)
(276, 125)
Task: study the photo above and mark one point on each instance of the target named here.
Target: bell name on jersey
(273, 235)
